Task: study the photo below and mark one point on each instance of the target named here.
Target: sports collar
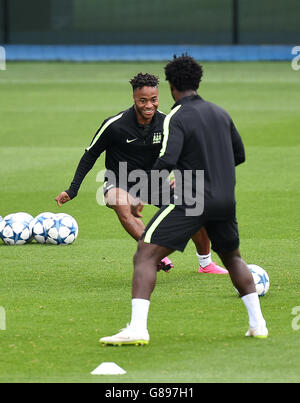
(186, 100)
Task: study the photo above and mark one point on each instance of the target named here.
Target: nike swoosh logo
(130, 141)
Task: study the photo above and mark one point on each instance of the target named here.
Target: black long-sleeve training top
(124, 140)
(199, 135)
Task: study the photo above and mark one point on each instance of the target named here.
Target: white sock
(139, 314)
(252, 304)
(204, 260)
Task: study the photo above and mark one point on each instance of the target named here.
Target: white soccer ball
(261, 279)
(40, 226)
(64, 230)
(16, 229)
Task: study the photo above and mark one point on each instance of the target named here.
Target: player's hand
(172, 183)
(62, 198)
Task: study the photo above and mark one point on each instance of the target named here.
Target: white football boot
(259, 332)
(127, 336)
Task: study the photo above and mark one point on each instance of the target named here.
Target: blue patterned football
(261, 279)
(40, 226)
(16, 229)
(64, 230)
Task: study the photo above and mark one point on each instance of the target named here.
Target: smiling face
(145, 103)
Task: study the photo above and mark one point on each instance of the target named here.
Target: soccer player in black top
(199, 137)
(133, 136)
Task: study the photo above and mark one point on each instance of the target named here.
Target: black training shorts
(156, 197)
(172, 228)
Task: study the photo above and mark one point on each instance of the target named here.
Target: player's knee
(229, 256)
(144, 253)
(139, 255)
(120, 207)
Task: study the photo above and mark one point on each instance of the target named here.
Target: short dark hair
(184, 73)
(144, 80)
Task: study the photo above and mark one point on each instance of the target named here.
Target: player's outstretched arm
(62, 198)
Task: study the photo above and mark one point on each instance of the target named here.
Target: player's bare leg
(240, 275)
(144, 279)
(145, 262)
(129, 212)
(202, 244)
(242, 279)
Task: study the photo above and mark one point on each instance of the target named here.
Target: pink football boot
(212, 268)
(165, 265)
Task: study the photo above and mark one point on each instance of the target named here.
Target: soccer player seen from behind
(134, 137)
(201, 137)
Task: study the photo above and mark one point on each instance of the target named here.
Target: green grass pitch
(60, 300)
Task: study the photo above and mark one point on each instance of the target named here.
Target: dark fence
(212, 22)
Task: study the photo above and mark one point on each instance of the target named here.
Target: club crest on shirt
(157, 136)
